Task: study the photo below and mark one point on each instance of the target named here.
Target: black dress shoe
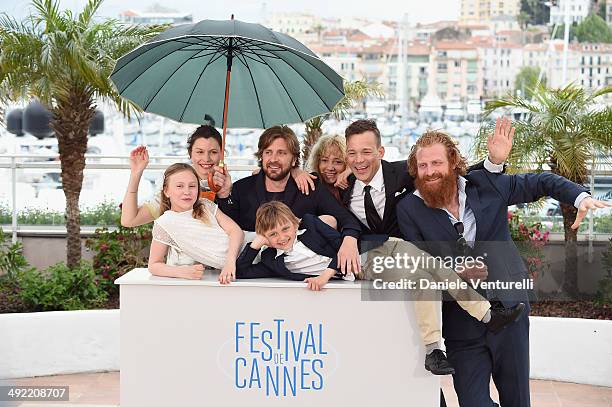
(500, 317)
(437, 364)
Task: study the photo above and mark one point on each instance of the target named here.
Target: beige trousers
(426, 309)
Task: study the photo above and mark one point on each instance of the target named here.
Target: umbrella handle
(211, 183)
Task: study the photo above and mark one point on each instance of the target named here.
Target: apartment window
(442, 67)
(457, 64)
(422, 69)
(441, 54)
(599, 60)
(508, 63)
(582, 70)
(598, 70)
(590, 60)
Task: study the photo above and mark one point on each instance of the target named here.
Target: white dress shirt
(300, 259)
(377, 192)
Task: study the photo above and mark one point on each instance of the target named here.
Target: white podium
(262, 342)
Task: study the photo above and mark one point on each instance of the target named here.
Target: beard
(279, 176)
(440, 194)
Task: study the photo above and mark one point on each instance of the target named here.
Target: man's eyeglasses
(462, 244)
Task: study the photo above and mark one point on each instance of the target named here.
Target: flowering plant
(118, 251)
(530, 240)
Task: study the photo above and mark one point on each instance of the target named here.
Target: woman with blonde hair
(328, 161)
(191, 233)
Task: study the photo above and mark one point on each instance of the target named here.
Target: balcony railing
(239, 166)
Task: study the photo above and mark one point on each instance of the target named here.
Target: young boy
(299, 251)
(307, 251)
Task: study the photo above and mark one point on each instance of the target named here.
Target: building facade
(578, 10)
(482, 11)
(455, 71)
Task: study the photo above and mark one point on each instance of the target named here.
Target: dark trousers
(503, 356)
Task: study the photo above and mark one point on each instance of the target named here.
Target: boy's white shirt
(300, 259)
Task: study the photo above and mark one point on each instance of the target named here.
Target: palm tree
(354, 92)
(65, 60)
(566, 130)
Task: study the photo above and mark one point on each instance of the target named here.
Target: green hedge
(106, 213)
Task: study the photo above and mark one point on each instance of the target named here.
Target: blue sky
(251, 10)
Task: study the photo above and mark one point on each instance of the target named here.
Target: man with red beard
(278, 152)
(455, 214)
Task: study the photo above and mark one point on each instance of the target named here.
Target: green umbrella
(185, 73)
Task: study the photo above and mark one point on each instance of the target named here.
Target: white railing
(16, 162)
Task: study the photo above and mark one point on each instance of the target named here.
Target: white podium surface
(267, 342)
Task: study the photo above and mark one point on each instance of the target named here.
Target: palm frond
(47, 13)
(86, 15)
(354, 92)
(599, 92)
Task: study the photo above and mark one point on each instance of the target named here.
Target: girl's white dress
(190, 240)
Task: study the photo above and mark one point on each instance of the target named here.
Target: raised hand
(499, 143)
(139, 159)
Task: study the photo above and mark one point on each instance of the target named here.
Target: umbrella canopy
(182, 74)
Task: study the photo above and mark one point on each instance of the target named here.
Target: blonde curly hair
(324, 144)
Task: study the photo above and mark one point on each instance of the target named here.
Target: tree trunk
(571, 251)
(313, 132)
(570, 285)
(71, 118)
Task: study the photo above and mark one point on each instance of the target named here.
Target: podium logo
(278, 361)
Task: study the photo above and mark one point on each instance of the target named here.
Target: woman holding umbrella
(204, 149)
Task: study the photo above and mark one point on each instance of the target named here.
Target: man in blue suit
(452, 213)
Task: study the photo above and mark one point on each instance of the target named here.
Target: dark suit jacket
(318, 237)
(398, 183)
(488, 195)
(250, 192)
